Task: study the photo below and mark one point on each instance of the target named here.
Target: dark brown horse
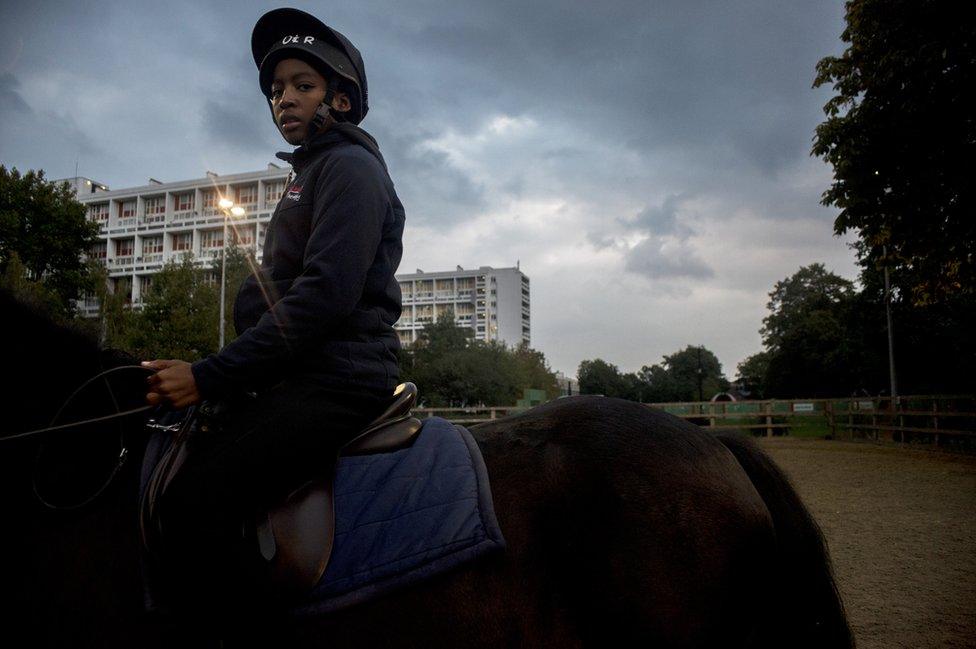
(625, 526)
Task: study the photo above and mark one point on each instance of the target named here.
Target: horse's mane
(33, 333)
(45, 361)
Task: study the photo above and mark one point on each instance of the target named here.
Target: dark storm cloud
(36, 133)
(658, 258)
(659, 219)
(234, 114)
(669, 70)
(236, 126)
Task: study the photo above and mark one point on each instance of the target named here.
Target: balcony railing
(152, 258)
(125, 260)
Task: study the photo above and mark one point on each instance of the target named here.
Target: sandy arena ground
(901, 527)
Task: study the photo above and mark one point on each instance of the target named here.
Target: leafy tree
(47, 230)
(811, 351)
(15, 280)
(450, 368)
(934, 350)
(810, 290)
(532, 371)
(686, 366)
(115, 319)
(751, 377)
(901, 138)
(675, 379)
(600, 377)
(657, 385)
(240, 264)
(179, 315)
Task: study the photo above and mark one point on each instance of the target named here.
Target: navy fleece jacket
(323, 305)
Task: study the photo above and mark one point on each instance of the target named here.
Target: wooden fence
(934, 418)
(931, 418)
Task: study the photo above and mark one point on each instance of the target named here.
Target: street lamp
(230, 210)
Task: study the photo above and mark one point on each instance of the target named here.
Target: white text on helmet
(307, 40)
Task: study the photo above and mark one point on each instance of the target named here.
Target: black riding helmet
(292, 33)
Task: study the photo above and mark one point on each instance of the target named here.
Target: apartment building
(493, 302)
(142, 228)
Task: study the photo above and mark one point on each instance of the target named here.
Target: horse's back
(649, 524)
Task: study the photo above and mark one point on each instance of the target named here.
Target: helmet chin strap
(323, 112)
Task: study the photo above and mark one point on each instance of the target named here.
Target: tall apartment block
(493, 302)
(142, 228)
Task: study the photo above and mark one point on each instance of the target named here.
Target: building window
(209, 199)
(155, 209)
(272, 192)
(125, 247)
(98, 212)
(152, 245)
(183, 241)
(210, 278)
(210, 239)
(246, 195)
(425, 288)
(98, 250)
(242, 236)
(127, 209)
(145, 283)
(183, 202)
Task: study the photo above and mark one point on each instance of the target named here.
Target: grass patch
(812, 428)
(801, 427)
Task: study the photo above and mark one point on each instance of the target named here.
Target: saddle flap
(300, 531)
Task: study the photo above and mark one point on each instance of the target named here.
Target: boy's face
(296, 92)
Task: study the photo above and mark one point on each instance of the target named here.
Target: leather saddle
(294, 537)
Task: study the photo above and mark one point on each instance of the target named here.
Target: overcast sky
(647, 163)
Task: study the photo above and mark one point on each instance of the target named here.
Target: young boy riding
(316, 354)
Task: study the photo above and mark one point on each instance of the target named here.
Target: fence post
(874, 422)
(850, 419)
(831, 422)
(901, 420)
(768, 409)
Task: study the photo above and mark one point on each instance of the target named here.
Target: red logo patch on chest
(294, 192)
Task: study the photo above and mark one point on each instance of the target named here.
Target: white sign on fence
(802, 407)
(865, 405)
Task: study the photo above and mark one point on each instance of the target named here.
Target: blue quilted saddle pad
(406, 516)
(401, 517)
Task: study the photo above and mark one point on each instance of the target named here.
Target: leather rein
(54, 426)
